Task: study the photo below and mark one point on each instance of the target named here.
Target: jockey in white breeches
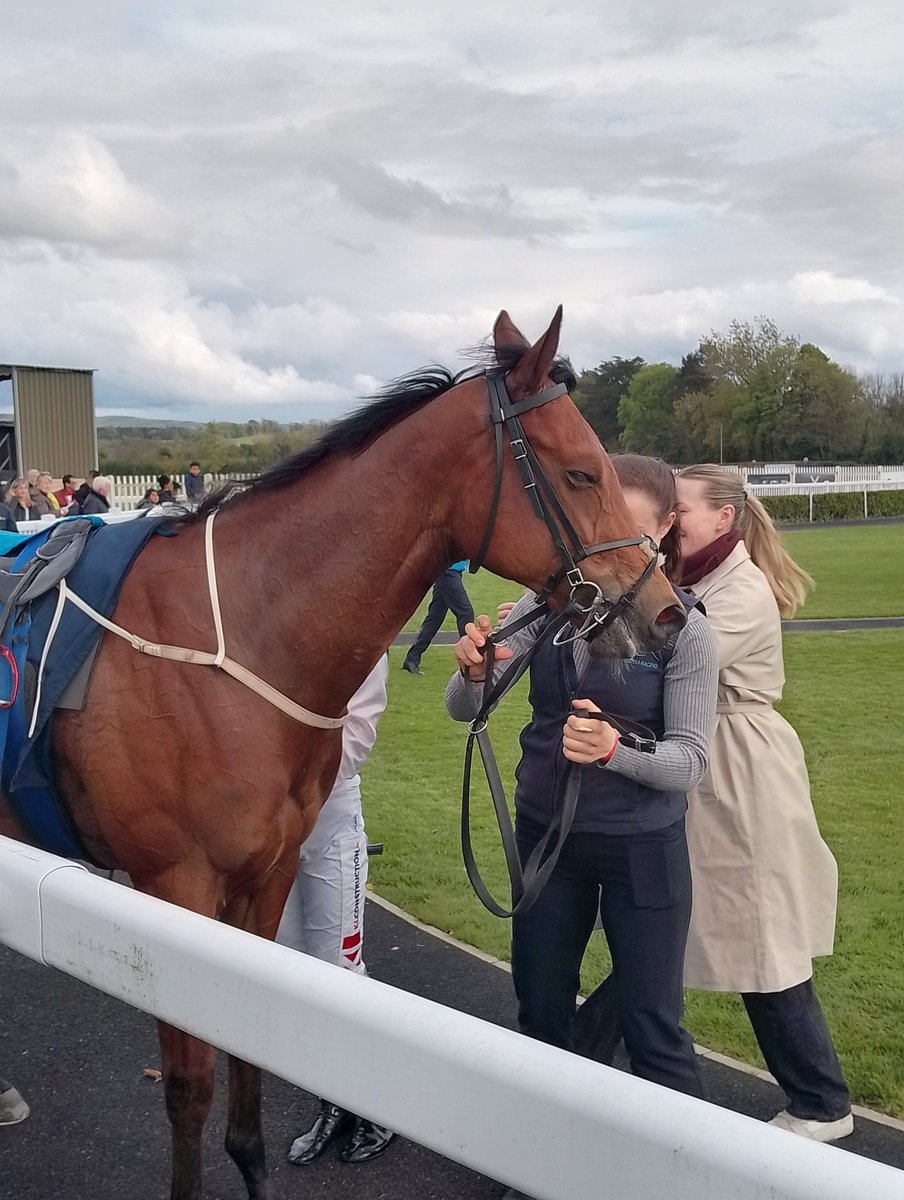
(324, 914)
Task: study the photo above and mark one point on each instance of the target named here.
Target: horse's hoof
(332, 1122)
(367, 1142)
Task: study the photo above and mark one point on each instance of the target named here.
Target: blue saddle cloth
(26, 768)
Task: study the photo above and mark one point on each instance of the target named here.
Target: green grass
(843, 696)
(859, 572)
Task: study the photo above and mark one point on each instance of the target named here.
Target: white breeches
(324, 914)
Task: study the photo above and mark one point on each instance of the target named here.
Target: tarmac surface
(98, 1129)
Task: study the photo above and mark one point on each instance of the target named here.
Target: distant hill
(115, 422)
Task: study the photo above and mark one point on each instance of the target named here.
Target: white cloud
(822, 287)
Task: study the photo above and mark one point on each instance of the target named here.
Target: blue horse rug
(26, 768)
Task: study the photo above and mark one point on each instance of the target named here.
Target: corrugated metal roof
(8, 368)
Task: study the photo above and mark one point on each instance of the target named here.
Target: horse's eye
(581, 479)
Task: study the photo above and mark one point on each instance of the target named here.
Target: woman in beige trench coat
(765, 883)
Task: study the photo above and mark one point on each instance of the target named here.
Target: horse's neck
(352, 546)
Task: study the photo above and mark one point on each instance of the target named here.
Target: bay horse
(202, 791)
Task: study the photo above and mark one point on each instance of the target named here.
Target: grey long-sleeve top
(689, 703)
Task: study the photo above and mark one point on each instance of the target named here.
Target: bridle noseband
(585, 597)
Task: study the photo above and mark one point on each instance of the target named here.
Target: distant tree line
(221, 447)
(749, 394)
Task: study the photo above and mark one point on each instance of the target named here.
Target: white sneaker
(816, 1131)
(13, 1108)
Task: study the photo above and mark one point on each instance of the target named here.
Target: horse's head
(557, 519)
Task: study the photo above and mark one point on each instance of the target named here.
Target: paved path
(98, 1129)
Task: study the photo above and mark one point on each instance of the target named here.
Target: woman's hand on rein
(468, 650)
(586, 740)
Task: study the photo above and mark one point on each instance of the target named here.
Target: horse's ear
(527, 377)
(506, 335)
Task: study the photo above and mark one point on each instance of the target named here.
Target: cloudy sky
(235, 210)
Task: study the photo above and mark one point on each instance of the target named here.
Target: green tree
(647, 413)
(599, 393)
(825, 413)
(884, 418)
(751, 365)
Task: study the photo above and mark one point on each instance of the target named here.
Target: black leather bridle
(585, 600)
(585, 597)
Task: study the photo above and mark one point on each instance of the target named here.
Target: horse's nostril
(673, 613)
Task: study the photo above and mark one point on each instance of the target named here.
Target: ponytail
(789, 582)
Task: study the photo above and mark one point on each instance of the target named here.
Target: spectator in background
(97, 502)
(84, 489)
(448, 593)
(43, 500)
(65, 494)
(150, 499)
(195, 490)
(31, 476)
(40, 505)
(19, 500)
(7, 523)
(167, 487)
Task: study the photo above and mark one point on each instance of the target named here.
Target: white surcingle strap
(202, 657)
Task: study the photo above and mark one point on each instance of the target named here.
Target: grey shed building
(53, 422)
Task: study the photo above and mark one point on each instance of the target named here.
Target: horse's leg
(188, 1072)
(188, 1064)
(244, 1134)
(258, 913)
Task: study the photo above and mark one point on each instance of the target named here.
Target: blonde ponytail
(789, 582)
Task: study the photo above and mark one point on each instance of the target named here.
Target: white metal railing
(129, 490)
(825, 472)
(822, 489)
(555, 1125)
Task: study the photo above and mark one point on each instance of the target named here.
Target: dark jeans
(798, 1049)
(791, 1031)
(641, 886)
(448, 594)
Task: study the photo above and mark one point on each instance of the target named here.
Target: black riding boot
(368, 1141)
(332, 1121)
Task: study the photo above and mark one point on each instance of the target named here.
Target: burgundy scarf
(699, 564)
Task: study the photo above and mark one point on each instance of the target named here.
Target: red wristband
(601, 762)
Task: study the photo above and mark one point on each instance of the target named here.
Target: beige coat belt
(730, 706)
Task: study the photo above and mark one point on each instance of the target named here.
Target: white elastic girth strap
(51, 634)
(203, 657)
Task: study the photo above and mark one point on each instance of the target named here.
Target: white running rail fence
(550, 1123)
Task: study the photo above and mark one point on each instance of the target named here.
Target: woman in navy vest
(625, 859)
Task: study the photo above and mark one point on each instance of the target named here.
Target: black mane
(356, 432)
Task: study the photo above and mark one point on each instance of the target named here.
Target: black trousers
(791, 1031)
(448, 595)
(641, 886)
(798, 1048)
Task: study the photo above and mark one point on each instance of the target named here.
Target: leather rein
(585, 601)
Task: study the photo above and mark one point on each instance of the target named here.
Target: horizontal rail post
(555, 1125)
